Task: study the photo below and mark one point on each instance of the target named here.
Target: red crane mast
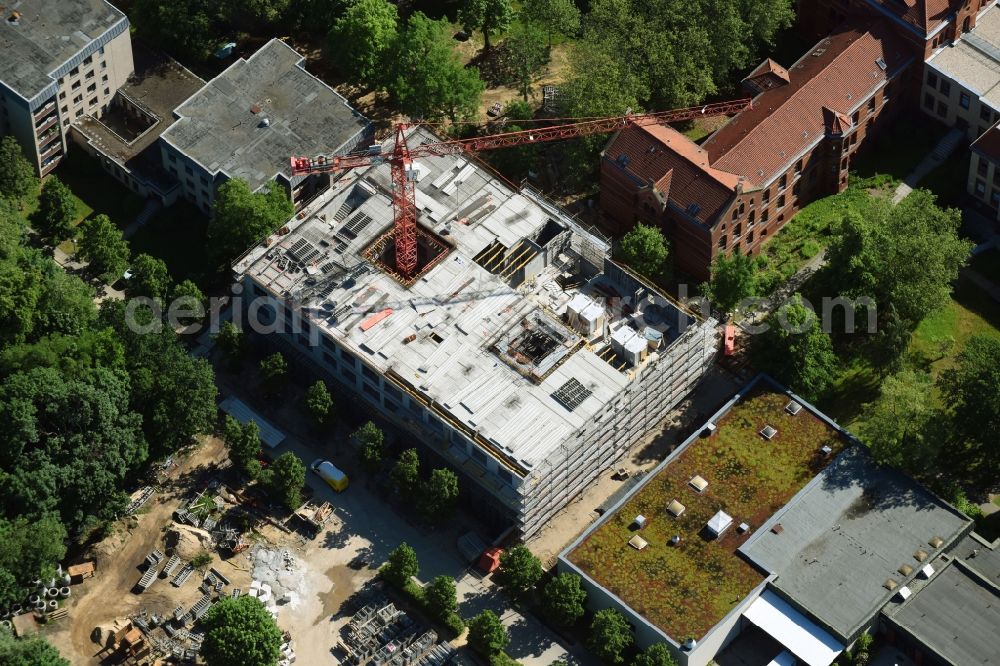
(402, 156)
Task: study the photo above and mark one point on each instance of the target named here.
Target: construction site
(493, 310)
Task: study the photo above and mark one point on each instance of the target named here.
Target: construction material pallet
(154, 558)
(171, 565)
(147, 578)
(184, 574)
(137, 503)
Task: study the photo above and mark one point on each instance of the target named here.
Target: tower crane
(401, 158)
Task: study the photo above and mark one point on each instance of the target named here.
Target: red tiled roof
(924, 15)
(989, 144)
(649, 153)
(838, 73)
(767, 74)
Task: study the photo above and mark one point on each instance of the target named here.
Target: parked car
(330, 473)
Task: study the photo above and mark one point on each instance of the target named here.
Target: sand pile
(186, 542)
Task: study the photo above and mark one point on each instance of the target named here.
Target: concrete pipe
(52, 605)
(33, 599)
(7, 624)
(15, 609)
(40, 605)
(64, 592)
(53, 592)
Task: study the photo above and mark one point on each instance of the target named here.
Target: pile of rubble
(277, 576)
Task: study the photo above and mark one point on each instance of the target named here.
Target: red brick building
(923, 24)
(795, 144)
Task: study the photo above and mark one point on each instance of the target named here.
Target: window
(74, 71)
(104, 65)
(963, 100)
(372, 392)
(78, 99)
(393, 392)
(190, 171)
(478, 455)
(330, 360)
(92, 87)
(89, 75)
(723, 241)
(736, 213)
(104, 79)
(79, 113)
(92, 102)
(763, 217)
(942, 109)
(945, 87)
(737, 230)
(171, 157)
(856, 118)
(980, 188)
(349, 376)
(871, 104)
(89, 59)
(369, 374)
(781, 201)
(107, 91)
(783, 182)
(995, 198)
(76, 85)
(742, 208)
(62, 95)
(932, 79)
(505, 476)
(749, 237)
(887, 92)
(346, 355)
(767, 196)
(984, 113)
(65, 109)
(798, 167)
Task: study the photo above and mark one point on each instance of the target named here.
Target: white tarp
(793, 630)
(269, 435)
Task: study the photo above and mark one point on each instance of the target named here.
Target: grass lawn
(177, 235)
(697, 132)
(687, 588)
(97, 190)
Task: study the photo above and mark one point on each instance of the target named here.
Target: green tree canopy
(440, 596)
(17, 176)
(28, 652)
(362, 38)
(556, 16)
(405, 473)
(427, 78)
(29, 549)
(657, 654)
(734, 278)
(319, 401)
(274, 373)
(243, 442)
(56, 212)
(182, 27)
(905, 255)
(519, 571)
(372, 445)
(898, 425)
(645, 249)
(972, 391)
(243, 218)
(287, 478)
(239, 632)
(487, 16)
(487, 635)
(526, 53)
(401, 566)
(150, 278)
(105, 248)
(609, 635)
(564, 599)
(231, 341)
(438, 495)
(796, 350)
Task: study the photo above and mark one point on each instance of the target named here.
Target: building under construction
(517, 350)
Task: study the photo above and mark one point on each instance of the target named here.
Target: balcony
(46, 124)
(46, 108)
(50, 150)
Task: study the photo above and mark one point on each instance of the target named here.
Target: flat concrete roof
(223, 128)
(974, 60)
(981, 555)
(956, 614)
(685, 589)
(848, 532)
(47, 34)
(452, 334)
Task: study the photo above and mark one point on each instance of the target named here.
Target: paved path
(941, 152)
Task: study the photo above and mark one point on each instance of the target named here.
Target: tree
(487, 16)
(150, 278)
(29, 550)
(519, 571)
(319, 402)
(515, 162)
(243, 218)
(657, 654)
(274, 373)
(972, 390)
(34, 651)
(427, 78)
(526, 53)
(362, 38)
(564, 599)
(438, 495)
(796, 349)
(184, 27)
(243, 442)
(288, 476)
(734, 278)
(17, 176)
(487, 635)
(232, 341)
(401, 567)
(609, 635)
(405, 474)
(372, 445)
(56, 211)
(105, 248)
(645, 249)
(440, 596)
(556, 16)
(905, 255)
(897, 426)
(240, 631)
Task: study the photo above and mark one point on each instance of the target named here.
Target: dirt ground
(108, 596)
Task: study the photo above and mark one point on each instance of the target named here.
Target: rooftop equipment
(793, 408)
(698, 483)
(640, 521)
(719, 523)
(768, 432)
(638, 542)
(675, 508)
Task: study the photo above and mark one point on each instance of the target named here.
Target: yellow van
(330, 473)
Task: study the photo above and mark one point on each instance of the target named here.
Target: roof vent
(675, 508)
(638, 542)
(768, 432)
(719, 523)
(890, 584)
(927, 571)
(640, 521)
(880, 61)
(920, 556)
(689, 645)
(777, 528)
(936, 542)
(903, 593)
(265, 122)
(708, 429)
(698, 483)
(825, 451)
(905, 569)
(743, 527)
